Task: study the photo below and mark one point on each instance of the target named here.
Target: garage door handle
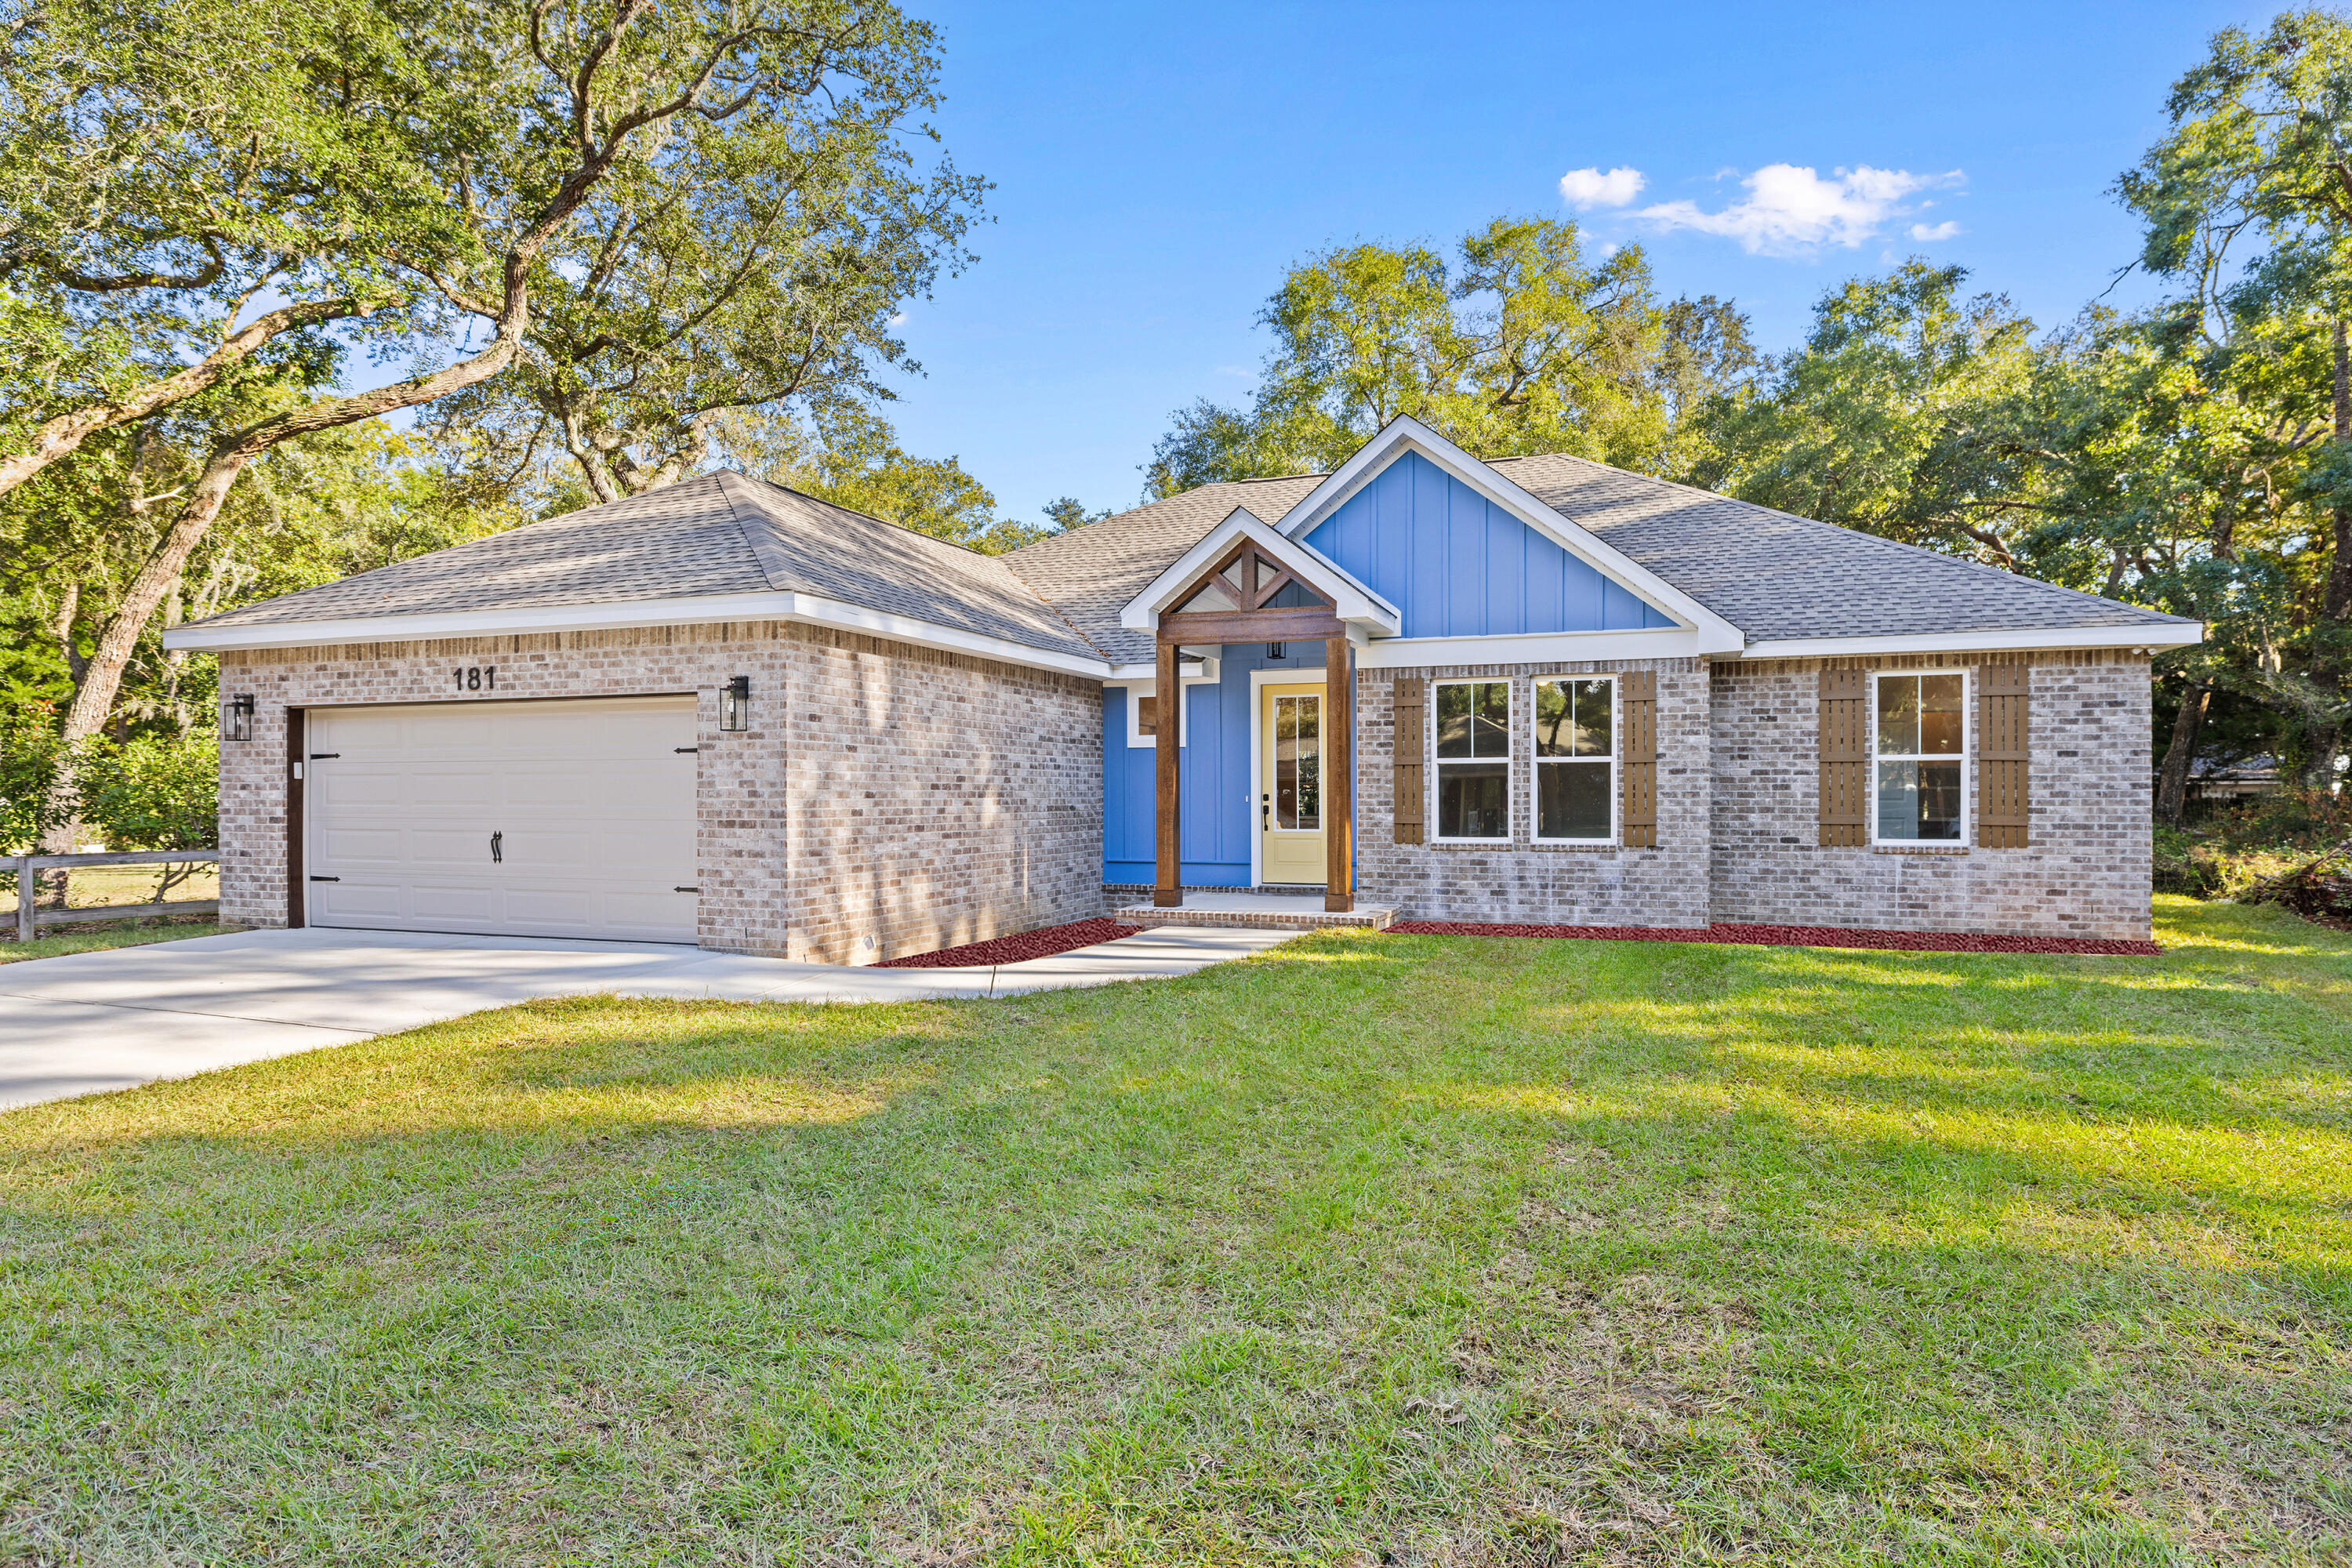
(497, 854)
(326, 878)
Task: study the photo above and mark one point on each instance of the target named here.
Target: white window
(1918, 745)
(1474, 759)
(1576, 759)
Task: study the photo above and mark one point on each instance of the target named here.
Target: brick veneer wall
(1525, 879)
(886, 799)
(2086, 870)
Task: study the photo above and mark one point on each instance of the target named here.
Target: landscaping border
(1798, 936)
(1043, 944)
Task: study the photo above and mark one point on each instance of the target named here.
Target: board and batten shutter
(1637, 730)
(1845, 770)
(1411, 705)
(2002, 699)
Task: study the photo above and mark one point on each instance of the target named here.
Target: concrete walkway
(95, 1021)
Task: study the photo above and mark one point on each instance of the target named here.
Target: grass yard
(1411, 1249)
(107, 933)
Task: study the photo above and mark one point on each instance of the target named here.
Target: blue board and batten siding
(1220, 796)
(1457, 565)
(1452, 563)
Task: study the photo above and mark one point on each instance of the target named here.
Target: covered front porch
(1271, 627)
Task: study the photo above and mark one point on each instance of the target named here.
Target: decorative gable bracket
(1223, 590)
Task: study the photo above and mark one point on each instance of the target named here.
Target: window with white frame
(1919, 725)
(1576, 759)
(1473, 759)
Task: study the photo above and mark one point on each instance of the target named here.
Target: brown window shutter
(1147, 715)
(1845, 776)
(1412, 709)
(1637, 758)
(2001, 697)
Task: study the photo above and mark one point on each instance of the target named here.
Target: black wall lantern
(237, 718)
(735, 704)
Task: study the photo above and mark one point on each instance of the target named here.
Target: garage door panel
(595, 802)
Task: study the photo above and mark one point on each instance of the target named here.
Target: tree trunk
(101, 676)
(2334, 629)
(2172, 781)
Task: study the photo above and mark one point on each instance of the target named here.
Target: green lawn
(1371, 1249)
(108, 933)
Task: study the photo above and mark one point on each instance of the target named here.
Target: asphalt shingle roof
(1091, 572)
(717, 533)
(1771, 574)
(1776, 576)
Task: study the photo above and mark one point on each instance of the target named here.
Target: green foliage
(153, 792)
(1519, 344)
(150, 792)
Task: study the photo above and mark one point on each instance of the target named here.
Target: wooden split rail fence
(30, 918)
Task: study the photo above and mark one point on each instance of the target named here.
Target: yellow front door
(1290, 784)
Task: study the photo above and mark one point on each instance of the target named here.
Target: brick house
(728, 713)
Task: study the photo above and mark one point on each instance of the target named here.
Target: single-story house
(1531, 689)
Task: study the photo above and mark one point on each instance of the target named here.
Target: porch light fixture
(237, 718)
(735, 704)
(1274, 650)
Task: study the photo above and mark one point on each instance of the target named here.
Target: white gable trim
(1356, 603)
(1403, 434)
(805, 608)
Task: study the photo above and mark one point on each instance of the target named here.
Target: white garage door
(504, 818)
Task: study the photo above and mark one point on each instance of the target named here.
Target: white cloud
(1585, 189)
(1944, 230)
(1790, 210)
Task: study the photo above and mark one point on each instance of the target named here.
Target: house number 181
(478, 678)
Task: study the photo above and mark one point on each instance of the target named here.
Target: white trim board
(1404, 434)
(2170, 634)
(805, 608)
(1542, 648)
(1136, 739)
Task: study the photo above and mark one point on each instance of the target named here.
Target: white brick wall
(2084, 871)
(1524, 881)
(886, 799)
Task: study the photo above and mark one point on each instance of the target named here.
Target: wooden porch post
(1339, 778)
(1168, 742)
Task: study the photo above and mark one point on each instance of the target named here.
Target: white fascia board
(1354, 603)
(2163, 634)
(1547, 648)
(1404, 434)
(805, 608)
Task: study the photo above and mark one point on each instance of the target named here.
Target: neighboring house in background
(729, 713)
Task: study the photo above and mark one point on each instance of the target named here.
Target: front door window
(1290, 785)
(1297, 753)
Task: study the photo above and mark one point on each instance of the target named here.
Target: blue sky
(1158, 167)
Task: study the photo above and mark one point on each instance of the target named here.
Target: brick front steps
(1256, 911)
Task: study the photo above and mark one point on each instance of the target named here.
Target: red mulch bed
(1798, 936)
(1014, 949)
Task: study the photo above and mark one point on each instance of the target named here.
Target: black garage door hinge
(686, 890)
(326, 878)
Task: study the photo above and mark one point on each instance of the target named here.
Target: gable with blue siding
(1457, 565)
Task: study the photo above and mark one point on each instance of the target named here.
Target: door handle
(498, 854)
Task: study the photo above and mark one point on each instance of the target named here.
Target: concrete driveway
(95, 1021)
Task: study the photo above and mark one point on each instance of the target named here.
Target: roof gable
(1483, 600)
(1350, 600)
(1457, 564)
